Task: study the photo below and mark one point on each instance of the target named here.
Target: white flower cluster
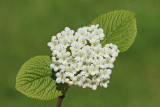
(78, 58)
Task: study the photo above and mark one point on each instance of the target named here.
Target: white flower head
(78, 58)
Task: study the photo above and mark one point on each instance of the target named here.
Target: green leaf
(36, 80)
(119, 27)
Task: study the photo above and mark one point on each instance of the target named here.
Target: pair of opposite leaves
(35, 78)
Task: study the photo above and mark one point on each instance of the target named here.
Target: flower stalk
(60, 99)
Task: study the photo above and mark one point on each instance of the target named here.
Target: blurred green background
(27, 25)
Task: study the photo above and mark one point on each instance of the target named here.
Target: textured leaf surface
(119, 27)
(34, 79)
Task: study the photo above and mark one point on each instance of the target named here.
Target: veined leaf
(119, 27)
(35, 79)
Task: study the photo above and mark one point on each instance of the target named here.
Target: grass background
(27, 25)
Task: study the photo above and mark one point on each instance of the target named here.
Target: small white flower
(78, 80)
(91, 38)
(94, 26)
(95, 43)
(105, 52)
(97, 77)
(55, 64)
(109, 62)
(75, 46)
(82, 42)
(94, 84)
(59, 50)
(53, 44)
(63, 43)
(86, 82)
(89, 58)
(104, 83)
(82, 32)
(85, 71)
(105, 73)
(93, 70)
(67, 32)
(63, 58)
(59, 37)
(60, 77)
(77, 66)
(53, 38)
(70, 71)
(80, 56)
(71, 39)
(98, 32)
